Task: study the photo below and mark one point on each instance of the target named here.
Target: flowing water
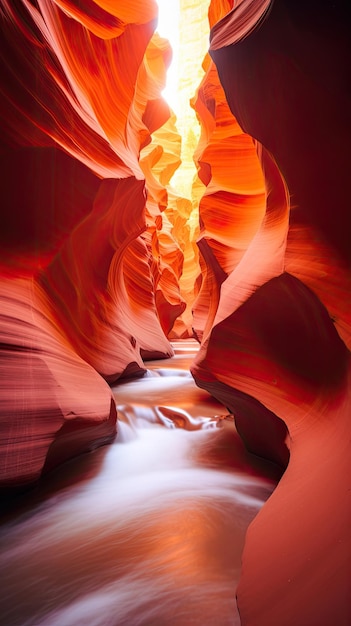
(148, 531)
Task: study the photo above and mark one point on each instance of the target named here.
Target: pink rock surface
(94, 242)
(53, 404)
(77, 107)
(278, 351)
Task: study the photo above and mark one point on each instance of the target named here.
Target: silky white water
(148, 531)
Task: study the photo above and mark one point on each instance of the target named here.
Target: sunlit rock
(68, 94)
(77, 107)
(159, 160)
(118, 321)
(169, 301)
(277, 353)
(99, 260)
(193, 45)
(232, 208)
(185, 228)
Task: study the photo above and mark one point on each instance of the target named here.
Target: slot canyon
(175, 306)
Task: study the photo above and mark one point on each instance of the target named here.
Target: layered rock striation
(99, 262)
(84, 248)
(278, 351)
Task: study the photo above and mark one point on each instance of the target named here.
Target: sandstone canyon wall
(90, 266)
(99, 257)
(276, 348)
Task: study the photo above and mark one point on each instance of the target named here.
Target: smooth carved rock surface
(82, 217)
(53, 404)
(277, 353)
(99, 261)
(232, 208)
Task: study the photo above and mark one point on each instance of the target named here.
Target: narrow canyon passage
(131, 225)
(146, 531)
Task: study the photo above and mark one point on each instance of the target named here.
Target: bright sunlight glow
(168, 27)
(185, 24)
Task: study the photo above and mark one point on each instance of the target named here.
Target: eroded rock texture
(99, 256)
(277, 352)
(232, 208)
(90, 266)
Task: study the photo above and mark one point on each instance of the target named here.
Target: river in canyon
(147, 531)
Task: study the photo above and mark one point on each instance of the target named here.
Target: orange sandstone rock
(278, 349)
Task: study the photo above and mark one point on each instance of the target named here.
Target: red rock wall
(89, 280)
(277, 351)
(232, 208)
(94, 241)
